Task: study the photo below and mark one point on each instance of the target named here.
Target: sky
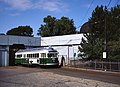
(14, 13)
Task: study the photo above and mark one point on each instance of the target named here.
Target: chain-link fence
(97, 65)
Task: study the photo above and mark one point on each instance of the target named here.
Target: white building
(67, 45)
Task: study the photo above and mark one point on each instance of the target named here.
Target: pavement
(34, 77)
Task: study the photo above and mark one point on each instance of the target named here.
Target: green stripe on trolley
(21, 60)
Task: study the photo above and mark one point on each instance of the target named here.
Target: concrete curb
(91, 70)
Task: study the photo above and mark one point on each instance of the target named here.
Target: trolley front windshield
(52, 55)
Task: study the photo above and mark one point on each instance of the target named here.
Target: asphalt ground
(105, 76)
(18, 76)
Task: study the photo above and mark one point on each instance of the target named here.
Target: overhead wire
(85, 14)
(89, 8)
(117, 2)
(109, 3)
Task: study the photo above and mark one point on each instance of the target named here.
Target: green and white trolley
(38, 56)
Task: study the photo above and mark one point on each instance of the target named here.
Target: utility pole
(105, 40)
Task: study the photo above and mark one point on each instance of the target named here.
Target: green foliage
(104, 26)
(48, 28)
(97, 22)
(21, 31)
(91, 48)
(55, 27)
(2, 34)
(65, 26)
(114, 49)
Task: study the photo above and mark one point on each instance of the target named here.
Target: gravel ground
(49, 79)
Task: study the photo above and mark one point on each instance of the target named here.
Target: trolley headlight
(26, 59)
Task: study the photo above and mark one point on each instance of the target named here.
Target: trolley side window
(28, 55)
(36, 55)
(24, 55)
(43, 55)
(19, 55)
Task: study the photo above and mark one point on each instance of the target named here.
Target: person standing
(62, 61)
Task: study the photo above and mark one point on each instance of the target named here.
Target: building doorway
(12, 50)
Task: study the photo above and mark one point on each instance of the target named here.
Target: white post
(73, 55)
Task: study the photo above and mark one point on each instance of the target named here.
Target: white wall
(64, 41)
(61, 40)
(63, 50)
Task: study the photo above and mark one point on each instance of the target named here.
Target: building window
(19, 55)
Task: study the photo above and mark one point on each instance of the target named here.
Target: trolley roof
(42, 49)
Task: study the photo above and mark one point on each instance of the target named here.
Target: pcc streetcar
(38, 56)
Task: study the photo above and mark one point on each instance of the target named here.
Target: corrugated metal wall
(10, 40)
(4, 60)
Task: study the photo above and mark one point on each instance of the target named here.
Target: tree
(2, 34)
(104, 27)
(21, 31)
(65, 26)
(55, 27)
(48, 28)
(114, 33)
(91, 45)
(114, 49)
(114, 25)
(90, 49)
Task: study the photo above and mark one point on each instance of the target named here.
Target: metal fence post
(95, 64)
(102, 65)
(110, 66)
(119, 66)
